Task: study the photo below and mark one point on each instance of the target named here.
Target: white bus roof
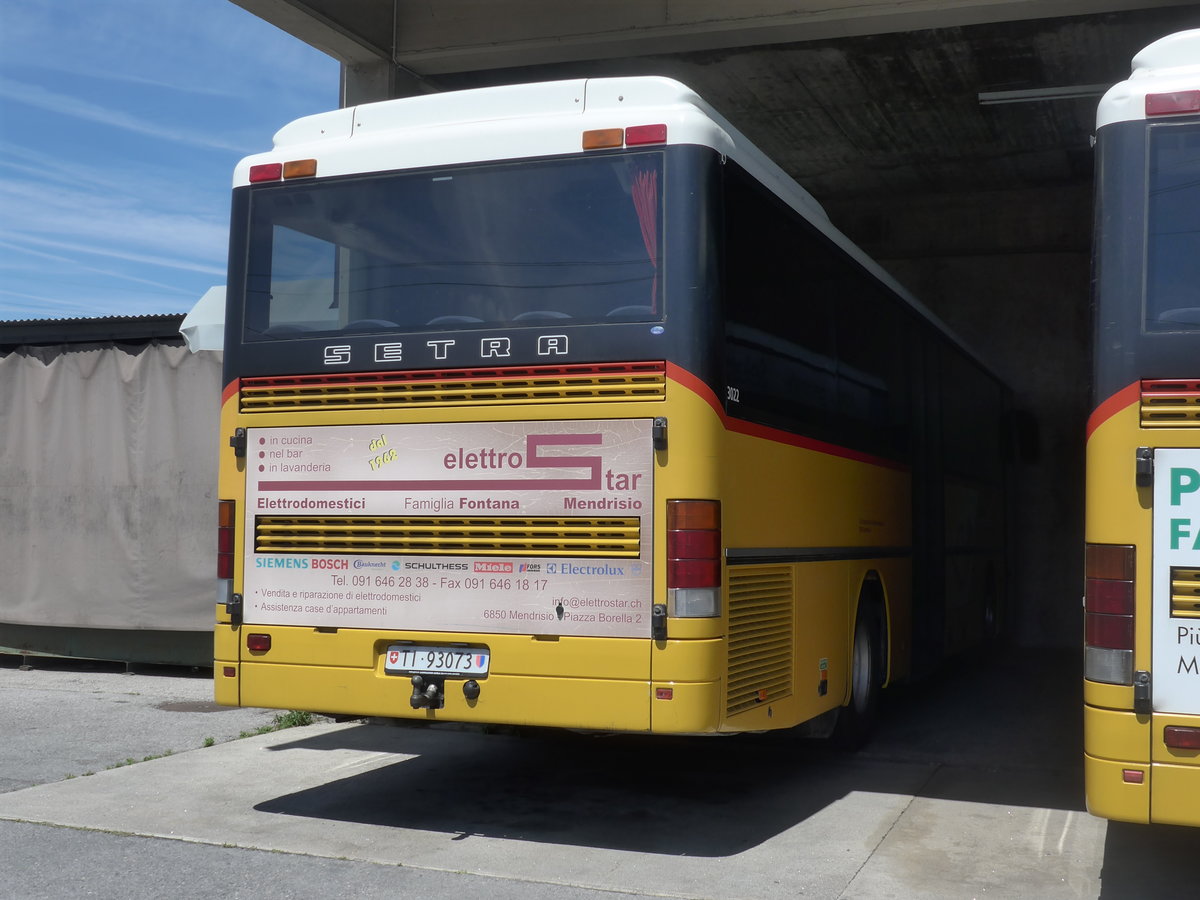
(1169, 64)
(512, 122)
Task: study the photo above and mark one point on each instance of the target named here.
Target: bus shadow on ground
(963, 736)
(1156, 861)
(676, 796)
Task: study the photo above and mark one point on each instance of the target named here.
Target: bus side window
(779, 340)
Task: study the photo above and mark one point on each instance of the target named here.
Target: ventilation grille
(760, 637)
(1170, 404)
(1185, 593)
(428, 536)
(456, 387)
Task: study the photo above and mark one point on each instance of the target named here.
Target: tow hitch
(429, 692)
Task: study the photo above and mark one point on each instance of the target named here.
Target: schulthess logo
(494, 568)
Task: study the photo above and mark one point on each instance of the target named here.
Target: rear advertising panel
(1176, 605)
(500, 527)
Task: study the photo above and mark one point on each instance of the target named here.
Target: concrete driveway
(972, 789)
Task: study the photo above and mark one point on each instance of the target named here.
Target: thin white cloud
(34, 306)
(14, 91)
(139, 222)
(226, 47)
(21, 242)
(68, 263)
(153, 183)
(15, 306)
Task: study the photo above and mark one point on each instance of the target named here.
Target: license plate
(411, 659)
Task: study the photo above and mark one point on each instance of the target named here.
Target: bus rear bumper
(599, 704)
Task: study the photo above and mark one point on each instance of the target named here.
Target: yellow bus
(1142, 594)
(561, 405)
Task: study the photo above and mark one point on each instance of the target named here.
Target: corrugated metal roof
(132, 329)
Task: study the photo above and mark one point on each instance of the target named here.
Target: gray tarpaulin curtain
(108, 486)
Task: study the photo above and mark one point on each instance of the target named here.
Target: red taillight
(1114, 598)
(1108, 596)
(1172, 103)
(645, 134)
(225, 518)
(266, 172)
(1111, 632)
(1181, 737)
(693, 558)
(693, 543)
(259, 643)
(693, 573)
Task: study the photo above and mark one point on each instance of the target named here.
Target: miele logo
(489, 348)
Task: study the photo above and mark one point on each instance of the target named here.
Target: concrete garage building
(951, 140)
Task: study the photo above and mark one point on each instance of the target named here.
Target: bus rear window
(1173, 229)
(575, 241)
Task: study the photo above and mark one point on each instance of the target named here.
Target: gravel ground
(63, 718)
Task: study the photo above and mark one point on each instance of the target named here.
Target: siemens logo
(291, 562)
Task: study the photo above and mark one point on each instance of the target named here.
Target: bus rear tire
(857, 719)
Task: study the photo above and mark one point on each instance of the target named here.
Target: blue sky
(120, 124)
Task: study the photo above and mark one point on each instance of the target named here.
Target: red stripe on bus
(231, 391)
(697, 386)
(1122, 399)
(795, 440)
(740, 426)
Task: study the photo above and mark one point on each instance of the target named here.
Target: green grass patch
(293, 718)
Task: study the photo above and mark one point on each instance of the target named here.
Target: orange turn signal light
(300, 168)
(603, 138)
